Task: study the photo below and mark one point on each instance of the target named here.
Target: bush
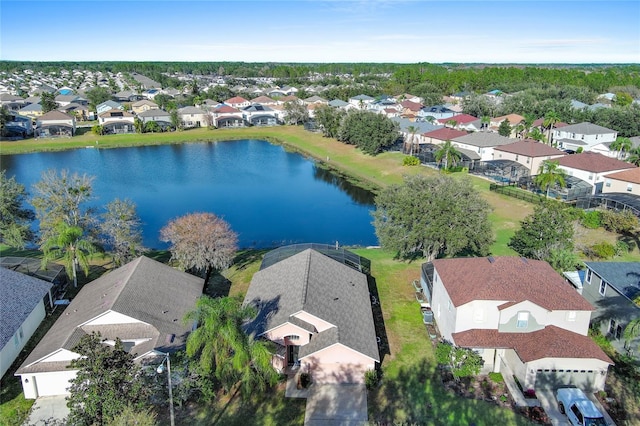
(602, 250)
(410, 161)
(619, 222)
(592, 219)
(371, 379)
(304, 380)
(621, 248)
(97, 129)
(496, 377)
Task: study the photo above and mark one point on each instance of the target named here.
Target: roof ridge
(306, 277)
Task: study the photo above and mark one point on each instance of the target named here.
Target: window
(293, 337)
(523, 320)
(589, 276)
(572, 315)
(578, 414)
(603, 287)
(612, 326)
(449, 305)
(590, 176)
(618, 332)
(629, 187)
(16, 341)
(608, 182)
(516, 157)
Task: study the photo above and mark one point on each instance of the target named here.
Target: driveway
(46, 409)
(548, 401)
(336, 405)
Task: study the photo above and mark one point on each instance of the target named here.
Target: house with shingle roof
(115, 121)
(612, 288)
(626, 181)
(438, 112)
(142, 303)
(237, 102)
(55, 124)
(585, 136)
(263, 100)
(520, 316)
(192, 116)
(143, 105)
(361, 101)
(108, 105)
(527, 152)
(24, 302)
(460, 119)
(441, 135)
(317, 311)
(592, 168)
(481, 144)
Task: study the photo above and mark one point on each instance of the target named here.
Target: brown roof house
(527, 152)
(520, 316)
(142, 303)
(627, 181)
(317, 310)
(55, 124)
(592, 168)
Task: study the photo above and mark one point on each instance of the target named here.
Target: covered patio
(613, 201)
(505, 171)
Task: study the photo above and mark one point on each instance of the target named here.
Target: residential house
(440, 136)
(289, 98)
(80, 111)
(289, 90)
(409, 97)
(55, 124)
(116, 121)
(142, 303)
(520, 316)
(160, 116)
(191, 116)
(226, 116)
(143, 105)
(126, 96)
(31, 110)
(438, 112)
(512, 119)
(317, 311)
(19, 124)
(260, 115)
(11, 102)
(264, 100)
(361, 101)
(527, 152)
(339, 103)
(420, 127)
(410, 109)
(585, 136)
(108, 105)
(459, 119)
(315, 99)
(237, 102)
(24, 303)
(612, 287)
(64, 100)
(592, 168)
(482, 144)
(626, 182)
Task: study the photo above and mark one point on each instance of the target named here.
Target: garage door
(338, 373)
(584, 379)
(49, 384)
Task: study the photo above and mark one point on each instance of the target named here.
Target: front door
(292, 355)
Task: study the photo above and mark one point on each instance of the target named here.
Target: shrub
(371, 379)
(410, 161)
(619, 222)
(496, 377)
(602, 250)
(97, 129)
(621, 248)
(304, 380)
(592, 219)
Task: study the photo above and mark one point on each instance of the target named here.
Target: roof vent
(491, 259)
(335, 298)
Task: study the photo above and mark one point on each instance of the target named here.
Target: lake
(269, 196)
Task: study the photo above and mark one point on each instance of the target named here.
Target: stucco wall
(445, 312)
(320, 324)
(615, 185)
(112, 317)
(278, 334)
(337, 364)
(46, 384)
(10, 350)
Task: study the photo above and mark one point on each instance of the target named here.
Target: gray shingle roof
(20, 295)
(154, 113)
(623, 276)
(483, 139)
(318, 285)
(144, 289)
(338, 103)
(586, 128)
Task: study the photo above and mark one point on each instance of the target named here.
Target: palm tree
(634, 156)
(550, 120)
(69, 244)
(412, 131)
(537, 135)
(621, 144)
(451, 123)
(631, 331)
(550, 174)
(222, 348)
(448, 153)
(524, 127)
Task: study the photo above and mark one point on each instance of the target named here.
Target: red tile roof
(530, 148)
(446, 133)
(236, 100)
(631, 175)
(511, 279)
(550, 342)
(460, 119)
(412, 106)
(593, 162)
(225, 109)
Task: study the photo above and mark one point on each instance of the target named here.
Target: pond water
(269, 196)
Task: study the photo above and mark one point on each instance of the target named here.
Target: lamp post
(160, 370)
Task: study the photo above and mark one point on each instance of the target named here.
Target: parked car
(580, 410)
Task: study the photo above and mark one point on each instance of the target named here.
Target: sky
(399, 31)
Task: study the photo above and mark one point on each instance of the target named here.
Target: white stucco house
(586, 136)
(520, 316)
(593, 168)
(318, 312)
(24, 301)
(142, 303)
(55, 123)
(627, 181)
(481, 143)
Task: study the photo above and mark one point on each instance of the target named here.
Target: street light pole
(160, 370)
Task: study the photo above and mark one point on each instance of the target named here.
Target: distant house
(162, 117)
(592, 168)
(361, 101)
(55, 124)
(441, 135)
(263, 100)
(142, 303)
(339, 103)
(115, 122)
(11, 102)
(24, 303)
(611, 287)
(260, 115)
(527, 152)
(191, 116)
(108, 105)
(585, 136)
(317, 311)
(316, 100)
(237, 102)
(410, 108)
(481, 144)
(143, 105)
(63, 100)
(126, 96)
(226, 116)
(31, 110)
(438, 112)
(520, 316)
(512, 119)
(459, 119)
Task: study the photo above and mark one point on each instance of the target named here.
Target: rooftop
(593, 162)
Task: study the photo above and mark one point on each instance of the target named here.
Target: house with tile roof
(585, 136)
(626, 181)
(264, 100)
(527, 152)
(24, 302)
(513, 119)
(142, 303)
(441, 135)
(592, 168)
(317, 311)
(227, 116)
(237, 102)
(460, 120)
(520, 316)
(612, 287)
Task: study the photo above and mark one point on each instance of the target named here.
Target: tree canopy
(368, 131)
(15, 219)
(201, 241)
(295, 112)
(329, 120)
(121, 231)
(434, 216)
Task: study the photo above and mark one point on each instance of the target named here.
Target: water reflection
(358, 194)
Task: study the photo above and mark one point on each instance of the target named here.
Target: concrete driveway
(336, 405)
(47, 410)
(548, 401)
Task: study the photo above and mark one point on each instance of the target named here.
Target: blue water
(269, 196)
